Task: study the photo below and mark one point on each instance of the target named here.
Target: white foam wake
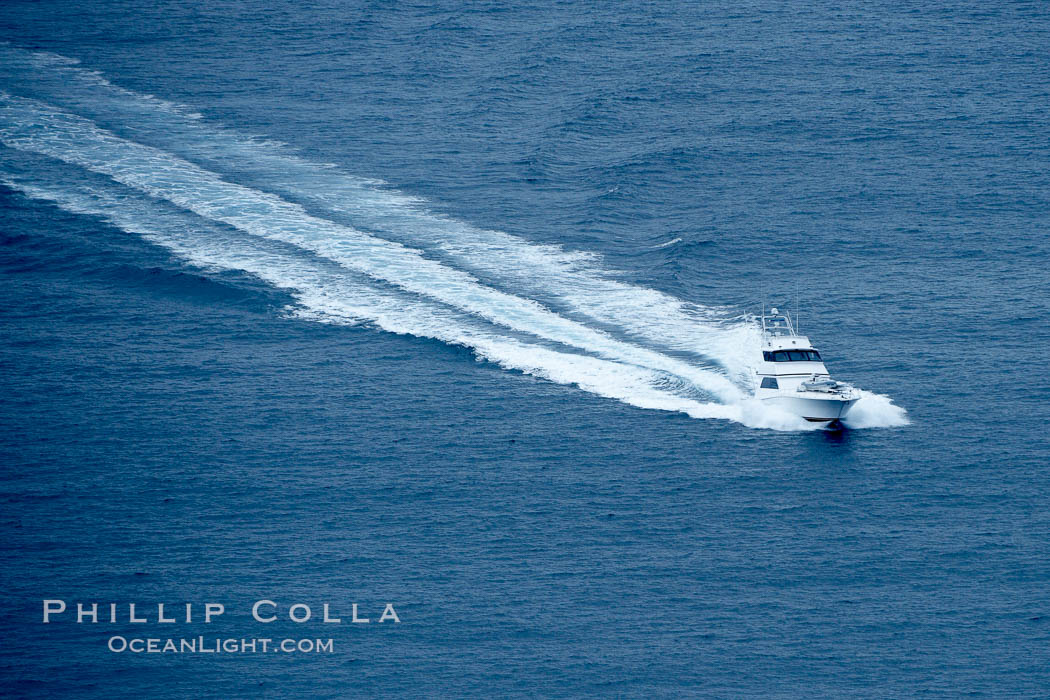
(36, 127)
(572, 281)
(333, 297)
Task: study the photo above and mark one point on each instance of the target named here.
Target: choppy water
(251, 256)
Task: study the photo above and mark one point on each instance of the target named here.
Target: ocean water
(451, 307)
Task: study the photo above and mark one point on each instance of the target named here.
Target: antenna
(796, 307)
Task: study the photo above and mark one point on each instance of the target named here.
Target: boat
(791, 375)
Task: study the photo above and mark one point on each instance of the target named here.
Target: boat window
(769, 383)
(792, 356)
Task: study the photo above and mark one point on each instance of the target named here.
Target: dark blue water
(474, 341)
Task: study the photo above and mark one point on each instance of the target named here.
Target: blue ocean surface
(451, 307)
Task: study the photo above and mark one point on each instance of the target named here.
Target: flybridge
(777, 324)
(780, 333)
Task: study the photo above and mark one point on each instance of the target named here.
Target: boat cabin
(788, 359)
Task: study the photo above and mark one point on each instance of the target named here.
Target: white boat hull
(816, 409)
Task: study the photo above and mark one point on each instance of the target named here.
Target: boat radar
(791, 375)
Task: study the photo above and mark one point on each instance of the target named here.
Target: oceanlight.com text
(217, 645)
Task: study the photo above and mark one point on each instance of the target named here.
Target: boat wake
(350, 250)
